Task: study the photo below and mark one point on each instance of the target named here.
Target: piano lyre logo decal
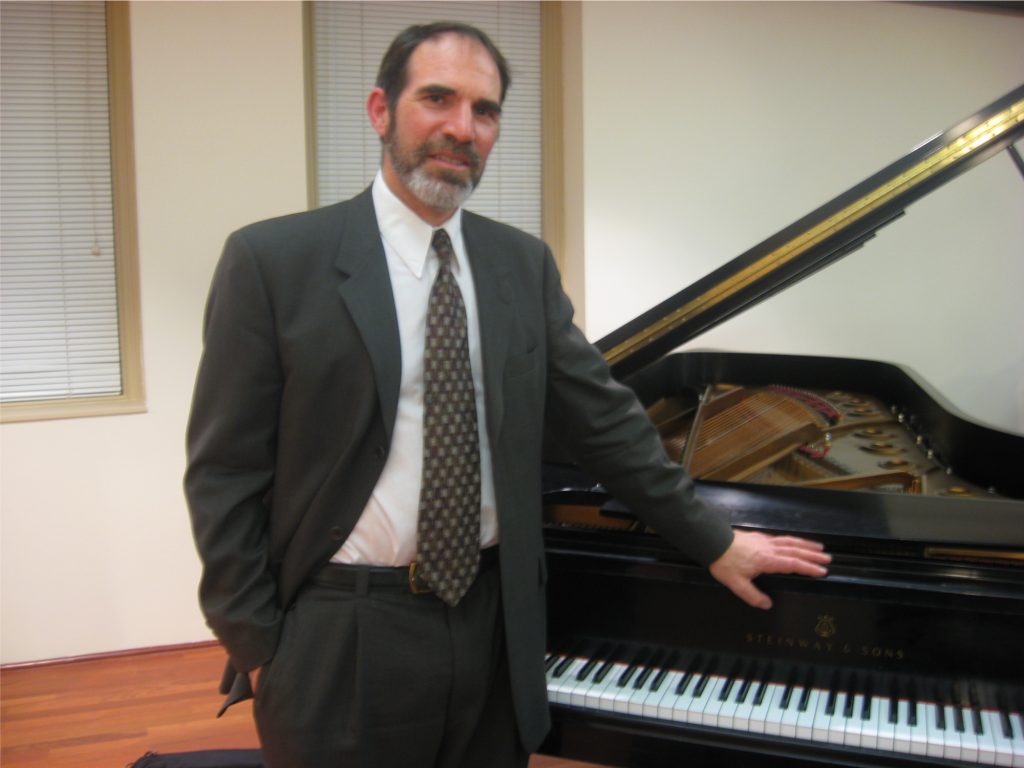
(825, 627)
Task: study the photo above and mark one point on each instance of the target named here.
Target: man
(313, 458)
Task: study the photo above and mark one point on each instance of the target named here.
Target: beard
(441, 190)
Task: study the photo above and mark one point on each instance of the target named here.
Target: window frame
(131, 399)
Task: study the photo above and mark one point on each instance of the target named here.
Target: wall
(98, 555)
(710, 126)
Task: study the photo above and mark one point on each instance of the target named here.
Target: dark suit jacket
(295, 404)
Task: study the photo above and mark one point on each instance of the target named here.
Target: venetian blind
(349, 41)
(58, 292)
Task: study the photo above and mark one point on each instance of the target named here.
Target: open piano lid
(989, 458)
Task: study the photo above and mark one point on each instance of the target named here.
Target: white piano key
(741, 717)
(639, 695)
(792, 712)
(578, 693)
(1003, 746)
(622, 695)
(886, 730)
(968, 740)
(759, 712)
(805, 720)
(853, 735)
(822, 720)
(653, 703)
(606, 701)
(727, 715)
(951, 737)
(559, 687)
(986, 743)
(671, 699)
(935, 739)
(1017, 742)
(919, 732)
(690, 707)
(592, 697)
(714, 703)
(901, 735)
(837, 723)
(706, 699)
(869, 728)
(773, 716)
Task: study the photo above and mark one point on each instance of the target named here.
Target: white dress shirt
(385, 534)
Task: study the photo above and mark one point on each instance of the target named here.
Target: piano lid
(819, 238)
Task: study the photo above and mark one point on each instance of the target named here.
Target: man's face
(443, 127)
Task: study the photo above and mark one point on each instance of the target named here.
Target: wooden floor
(106, 713)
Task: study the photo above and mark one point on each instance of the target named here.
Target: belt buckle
(415, 585)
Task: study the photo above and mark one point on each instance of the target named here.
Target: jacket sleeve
(231, 446)
(607, 430)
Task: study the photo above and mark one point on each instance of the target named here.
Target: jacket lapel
(494, 305)
(365, 289)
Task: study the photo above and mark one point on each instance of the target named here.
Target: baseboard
(112, 654)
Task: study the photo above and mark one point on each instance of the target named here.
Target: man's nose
(460, 123)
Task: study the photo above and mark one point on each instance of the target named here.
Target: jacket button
(379, 452)
(336, 533)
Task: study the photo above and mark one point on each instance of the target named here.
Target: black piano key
(972, 693)
(564, 664)
(851, 694)
(805, 697)
(550, 660)
(659, 678)
(609, 663)
(869, 695)
(650, 666)
(705, 676)
(940, 708)
(960, 702)
(833, 692)
(733, 674)
(602, 673)
(627, 674)
(691, 669)
(787, 692)
(592, 662)
(748, 680)
(894, 699)
(1004, 715)
(911, 703)
(762, 685)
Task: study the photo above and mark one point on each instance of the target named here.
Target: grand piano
(911, 651)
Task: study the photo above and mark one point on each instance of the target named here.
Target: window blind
(349, 40)
(58, 292)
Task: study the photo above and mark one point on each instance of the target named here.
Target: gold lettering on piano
(824, 646)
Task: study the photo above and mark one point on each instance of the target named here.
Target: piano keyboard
(933, 720)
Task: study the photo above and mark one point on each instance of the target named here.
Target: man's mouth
(450, 160)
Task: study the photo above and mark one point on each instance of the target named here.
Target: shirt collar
(406, 233)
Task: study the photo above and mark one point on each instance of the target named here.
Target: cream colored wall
(98, 556)
(710, 126)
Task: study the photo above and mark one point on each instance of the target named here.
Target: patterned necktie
(449, 515)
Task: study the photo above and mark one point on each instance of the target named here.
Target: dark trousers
(378, 677)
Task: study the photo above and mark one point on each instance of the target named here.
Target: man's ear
(378, 112)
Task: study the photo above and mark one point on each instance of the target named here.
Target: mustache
(464, 151)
